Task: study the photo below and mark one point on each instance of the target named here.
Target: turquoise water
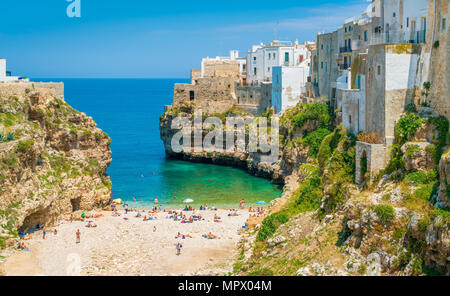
(128, 110)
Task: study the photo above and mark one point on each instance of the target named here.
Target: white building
(261, 59)
(5, 76)
(288, 86)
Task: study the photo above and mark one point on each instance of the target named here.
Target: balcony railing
(395, 37)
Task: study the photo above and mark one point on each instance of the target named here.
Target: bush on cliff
(270, 225)
(316, 111)
(337, 162)
(314, 140)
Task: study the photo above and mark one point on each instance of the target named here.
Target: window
(273, 56)
(269, 56)
(407, 22)
(268, 69)
(345, 29)
(191, 95)
(379, 70)
(326, 67)
(350, 119)
(365, 35)
(286, 57)
(394, 14)
(321, 46)
(254, 58)
(254, 71)
(444, 24)
(321, 65)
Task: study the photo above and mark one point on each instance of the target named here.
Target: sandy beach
(132, 247)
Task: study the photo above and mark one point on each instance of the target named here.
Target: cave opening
(76, 202)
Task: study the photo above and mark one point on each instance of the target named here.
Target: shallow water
(128, 110)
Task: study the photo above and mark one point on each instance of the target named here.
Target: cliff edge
(53, 159)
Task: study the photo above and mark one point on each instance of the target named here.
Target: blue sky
(155, 39)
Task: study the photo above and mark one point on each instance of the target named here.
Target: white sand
(119, 247)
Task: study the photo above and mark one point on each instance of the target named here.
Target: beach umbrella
(188, 200)
(261, 202)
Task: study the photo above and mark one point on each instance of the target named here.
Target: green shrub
(314, 140)
(407, 127)
(385, 213)
(25, 146)
(270, 225)
(424, 192)
(417, 178)
(316, 111)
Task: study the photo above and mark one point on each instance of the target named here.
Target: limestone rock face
(56, 163)
(418, 155)
(254, 163)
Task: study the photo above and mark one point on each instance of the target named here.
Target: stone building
(212, 95)
(232, 67)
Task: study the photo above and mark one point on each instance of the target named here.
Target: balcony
(345, 49)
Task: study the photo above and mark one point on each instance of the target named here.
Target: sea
(128, 110)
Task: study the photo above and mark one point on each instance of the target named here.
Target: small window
(444, 24)
(394, 14)
(286, 57)
(407, 22)
(321, 46)
(268, 69)
(191, 95)
(321, 65)
(365, 35)
(350, 119)
(254, 71)
(269, 56)
(254, 58)
(379, 70)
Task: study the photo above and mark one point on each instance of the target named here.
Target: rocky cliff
(53, 160)
(324, 224)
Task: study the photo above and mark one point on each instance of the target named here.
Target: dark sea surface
(128, 110)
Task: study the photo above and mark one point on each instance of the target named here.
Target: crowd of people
(148, 215)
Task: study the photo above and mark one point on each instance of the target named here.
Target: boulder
(418, 156)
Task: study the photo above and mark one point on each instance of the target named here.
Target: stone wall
(439, 75)
(353, 109)
(228, 69)
(22, 88)
(254, 99)
(195, 76)
(377, 156)
(212, 95)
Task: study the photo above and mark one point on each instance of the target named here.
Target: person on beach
(78, 236)
(126, 208)
(179, 246)
(44, 232)
(55, 232)
(154, 228)
(156, 200)
(71, 218)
